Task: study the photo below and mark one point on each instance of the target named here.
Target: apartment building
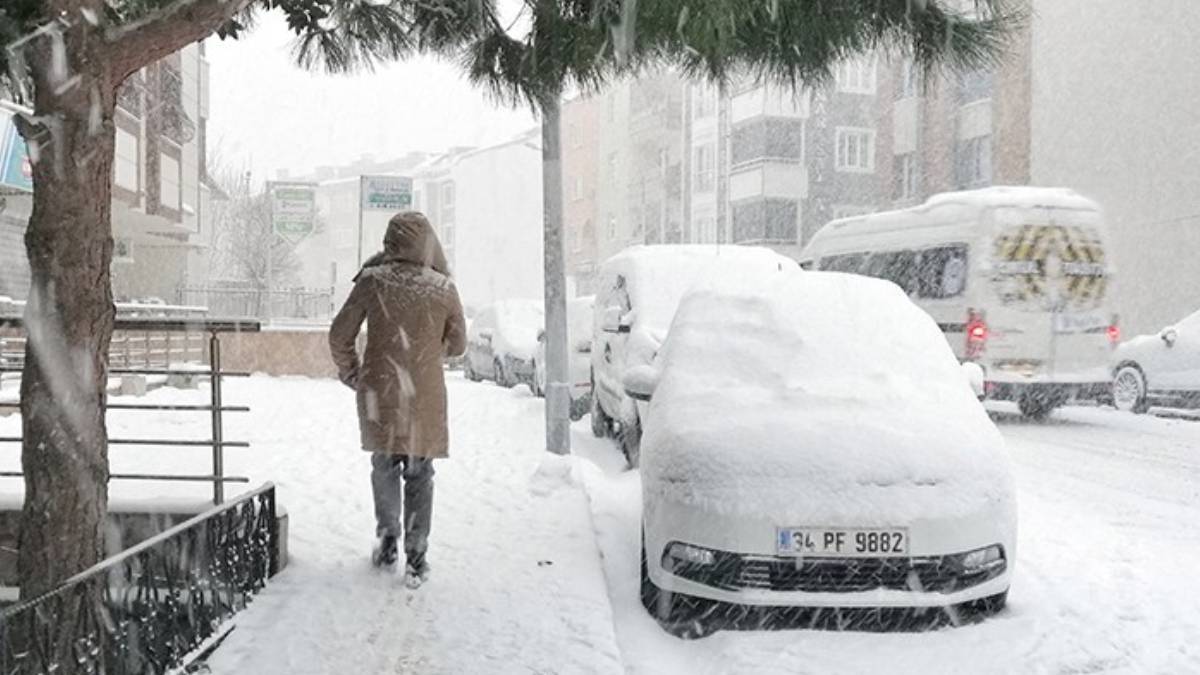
(1072, 106)
(581, 166)
(161, 192)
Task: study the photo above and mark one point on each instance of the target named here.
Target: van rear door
(1050, 279)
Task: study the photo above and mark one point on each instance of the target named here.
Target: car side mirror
(640, 382)
(584, 346)
(541, 335)
(1169, 336)
(615, 321)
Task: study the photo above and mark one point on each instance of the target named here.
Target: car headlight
(983, 559)
(692, 555)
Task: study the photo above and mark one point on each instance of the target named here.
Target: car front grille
(733, 572)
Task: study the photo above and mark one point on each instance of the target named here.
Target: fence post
(214, 367)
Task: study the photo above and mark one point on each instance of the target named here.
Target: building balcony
(769, 178)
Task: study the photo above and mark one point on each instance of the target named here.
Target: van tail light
(1114, 332)
(977, 334)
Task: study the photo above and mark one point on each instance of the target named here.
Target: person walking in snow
(414, 319)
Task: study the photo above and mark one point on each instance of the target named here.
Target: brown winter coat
(414, 318)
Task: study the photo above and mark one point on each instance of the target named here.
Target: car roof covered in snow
(813, 383)
(658, 275)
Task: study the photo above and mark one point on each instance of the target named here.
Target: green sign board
(293, 210)
(386, 193)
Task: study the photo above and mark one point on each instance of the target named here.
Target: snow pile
(517, 325)
(818, 397)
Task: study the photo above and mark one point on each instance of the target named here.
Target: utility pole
(558, 387)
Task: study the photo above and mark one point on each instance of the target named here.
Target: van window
(850, 262)
(942, 272)
(898, 267)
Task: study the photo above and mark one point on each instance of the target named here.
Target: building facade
(161, 192)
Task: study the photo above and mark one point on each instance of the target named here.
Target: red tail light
(977, 334)
(1114, 332)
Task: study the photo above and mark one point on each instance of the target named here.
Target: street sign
(16, 171)
(386, 193)
(293, 210)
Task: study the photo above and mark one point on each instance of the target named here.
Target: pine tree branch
(166, 31)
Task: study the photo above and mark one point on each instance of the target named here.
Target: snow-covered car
(501, 342)
(579, 357)
(1161, 369)
(795, 455)
(640, 289)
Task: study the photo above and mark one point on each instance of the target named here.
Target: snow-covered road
(535, 560)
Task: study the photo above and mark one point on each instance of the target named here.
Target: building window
(663, 160)
(909, 80)
(704, 231)
(765, 220)
(170, 176)
(612, 228)
(973, 86)
(125, 168)
(577, 188)
(768, 139)
(447, 210)
(855, 150)
(973, 162)
(904, 175)
(612, 166)
(703, 168)
(856, 76)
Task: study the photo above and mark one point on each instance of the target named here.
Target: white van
(638, 292)
(1018, 279)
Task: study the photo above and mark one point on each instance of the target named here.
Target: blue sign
(15, 169)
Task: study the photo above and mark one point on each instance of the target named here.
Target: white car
(1162, 369)
(579, 342)
(501, 341)
(796, 455)
(639, 289)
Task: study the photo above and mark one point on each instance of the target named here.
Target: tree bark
(558, 381)
(69, 316)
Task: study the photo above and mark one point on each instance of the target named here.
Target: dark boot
(386, 552)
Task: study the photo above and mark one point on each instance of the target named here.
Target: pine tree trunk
(69, 316)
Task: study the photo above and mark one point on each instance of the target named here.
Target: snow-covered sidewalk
(516, 587)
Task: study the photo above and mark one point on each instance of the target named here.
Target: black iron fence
(147, 609)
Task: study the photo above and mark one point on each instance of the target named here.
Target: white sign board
(386, 193)
(293, 210)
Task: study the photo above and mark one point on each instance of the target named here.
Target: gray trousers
(403, 486)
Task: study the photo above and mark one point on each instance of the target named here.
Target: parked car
(795, 455)
(1017, 278)
(579, 342)
(1161, 369)
(501, 342)
(639, 291)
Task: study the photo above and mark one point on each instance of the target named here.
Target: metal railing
(306, 304)
(160, 600)
(215, 407)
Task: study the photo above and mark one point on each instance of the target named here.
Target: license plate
(848, 542)
(1078, 323)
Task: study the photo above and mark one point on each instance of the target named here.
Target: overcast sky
(267, 114)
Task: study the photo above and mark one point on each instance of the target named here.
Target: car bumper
(752, 541)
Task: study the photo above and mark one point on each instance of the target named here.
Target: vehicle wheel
(502, 377)
(631, 442)
(601, 423)
(1036, 406)
(469, 372)
(1129, 390)
(680, 615)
